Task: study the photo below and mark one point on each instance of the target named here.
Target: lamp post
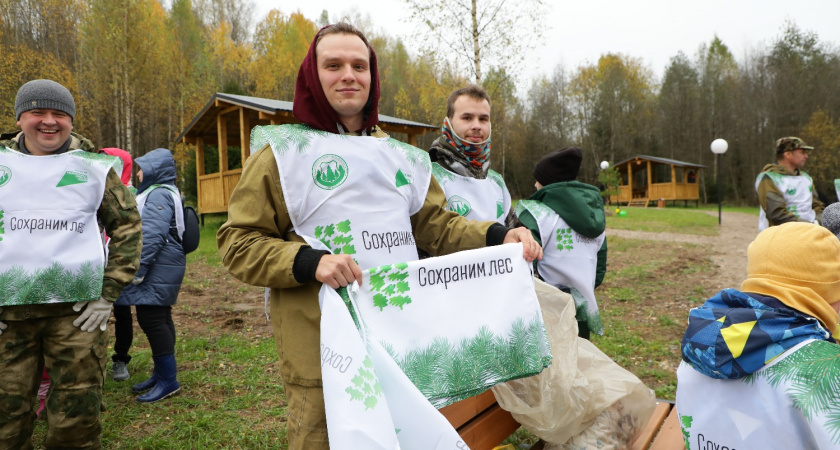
(719, 147)
(604, 165)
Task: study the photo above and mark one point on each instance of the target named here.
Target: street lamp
(604, 165)
(719, 147)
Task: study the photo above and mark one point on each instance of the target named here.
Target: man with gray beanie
(831, 218)
(56, 286)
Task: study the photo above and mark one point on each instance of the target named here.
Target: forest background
(140, 71)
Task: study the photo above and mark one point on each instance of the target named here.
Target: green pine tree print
(447, 372)
(565, 239)
(414, 155)
(100, 160)
(283, 137)
(442, 175)
(337, 237)
(493, 175)
(2, 225)
(593, 321)
(537, 209)
(390, 282)
(685, 427)
(812, 374)
(365, 388)
(53, 284)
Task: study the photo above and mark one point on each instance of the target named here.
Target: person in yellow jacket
(268, 238)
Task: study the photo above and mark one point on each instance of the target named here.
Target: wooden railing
(214, 190)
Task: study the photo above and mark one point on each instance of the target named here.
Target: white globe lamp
(719, 147)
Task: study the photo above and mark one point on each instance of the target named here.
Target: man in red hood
(302, 181)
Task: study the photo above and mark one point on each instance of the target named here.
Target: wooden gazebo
(650, 178)
(227, 120)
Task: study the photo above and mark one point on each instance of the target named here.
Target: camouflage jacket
(772, 200)
(119, 217)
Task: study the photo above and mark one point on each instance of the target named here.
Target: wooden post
(674, 183)
(199, 170)
(649, 181)
(412, 140)
(244, 135)
(221, 127)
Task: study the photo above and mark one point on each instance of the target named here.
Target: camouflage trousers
(75, 362)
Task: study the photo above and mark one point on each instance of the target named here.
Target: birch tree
(487, 33)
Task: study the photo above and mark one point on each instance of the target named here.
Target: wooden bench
(662, 431)
(483, 425)
(480, 421)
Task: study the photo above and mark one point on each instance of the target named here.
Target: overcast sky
(653, 30)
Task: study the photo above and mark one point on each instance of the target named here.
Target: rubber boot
(144, 386)
(167, 383)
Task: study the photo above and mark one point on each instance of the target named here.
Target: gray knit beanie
(831, 218)
(44, 94)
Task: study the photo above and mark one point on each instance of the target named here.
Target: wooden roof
(263, 110)
(661, 160)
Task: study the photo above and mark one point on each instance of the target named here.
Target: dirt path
(729, 248)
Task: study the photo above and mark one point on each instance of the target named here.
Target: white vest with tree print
(475, 199)
(51, 248)
(352, 195)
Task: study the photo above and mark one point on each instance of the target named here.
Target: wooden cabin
(226, 121)
(650, 178)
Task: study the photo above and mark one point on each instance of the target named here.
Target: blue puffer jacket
(162, 261)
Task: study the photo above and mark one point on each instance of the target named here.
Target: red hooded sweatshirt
(311, 105)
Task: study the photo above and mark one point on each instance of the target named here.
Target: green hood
(579, 204)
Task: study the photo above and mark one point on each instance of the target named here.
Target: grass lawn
(232, 395)
(668, 220)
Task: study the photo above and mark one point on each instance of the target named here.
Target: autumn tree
(231, 59)
(237, 14)
(126, 57)
(487, 33)
(823, 133)
(280, 44)
(677, 112)
(46, 26)
(614, 102)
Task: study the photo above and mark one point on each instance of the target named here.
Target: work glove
(96, 314)
(137, 280)
(3, 325)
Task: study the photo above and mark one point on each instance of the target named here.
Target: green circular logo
(458, 204)
(5, 175)
(329, 172)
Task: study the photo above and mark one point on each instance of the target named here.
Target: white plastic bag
(584, 399)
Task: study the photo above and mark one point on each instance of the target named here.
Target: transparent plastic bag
(584, 399)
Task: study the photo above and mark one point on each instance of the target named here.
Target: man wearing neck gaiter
(461, 159)
(320, 200)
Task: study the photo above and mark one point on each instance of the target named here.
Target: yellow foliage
(21, 65)
(280, 44)
(823, 133)
(231, 59)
